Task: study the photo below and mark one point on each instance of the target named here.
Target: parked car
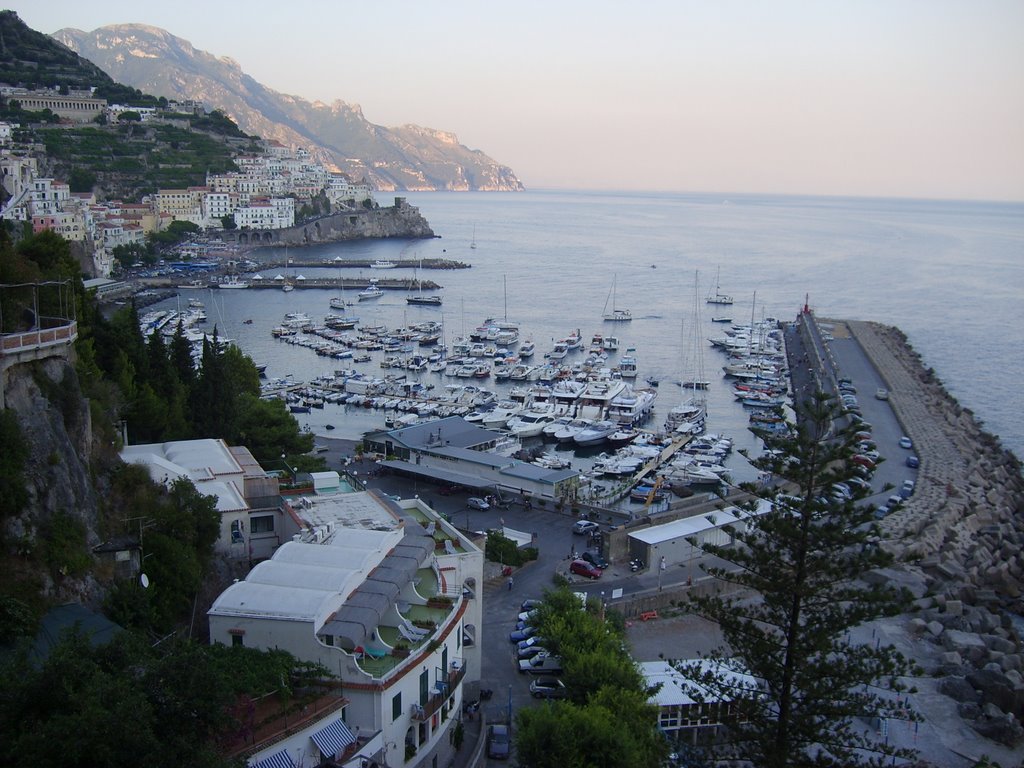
(907, 489)
(527, 615)
(913, 462)
(585, 526)
(583, 568)
(531, 604)
(518, 635)
(533, 640)
(864, 461)
(499, 744)
(475, 502)
(894, 501)
(596, 559)
(548, 688)
(530, 651)
(542, 663)
(881, 394)
(906, 442)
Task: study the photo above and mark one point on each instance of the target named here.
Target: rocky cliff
(407, 157)
(63, 510)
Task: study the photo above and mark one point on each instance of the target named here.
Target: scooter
(636, 564)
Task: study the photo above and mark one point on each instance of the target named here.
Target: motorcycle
(636, 564)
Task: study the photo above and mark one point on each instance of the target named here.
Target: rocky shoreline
(959, 539)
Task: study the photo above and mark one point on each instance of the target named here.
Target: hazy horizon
(910, 99)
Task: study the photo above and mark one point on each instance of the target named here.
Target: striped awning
(277, 760)
(333, 739)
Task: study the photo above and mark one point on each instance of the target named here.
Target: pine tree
(796, 596)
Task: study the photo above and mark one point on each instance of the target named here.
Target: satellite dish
(144, 581)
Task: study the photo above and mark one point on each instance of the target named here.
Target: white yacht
(596, 433)
(372, 291)
(531, 422)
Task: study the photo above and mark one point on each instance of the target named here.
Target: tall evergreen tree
(797, 569)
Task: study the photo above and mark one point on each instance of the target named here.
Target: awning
(277, 760)
(333, 739)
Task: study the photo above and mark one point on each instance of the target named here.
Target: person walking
(511, 581)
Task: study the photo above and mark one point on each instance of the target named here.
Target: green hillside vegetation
(32, 60)
(185, 700)
(132, 159)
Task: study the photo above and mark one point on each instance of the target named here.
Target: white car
(475, 502)
(906, 442)
(584, 526)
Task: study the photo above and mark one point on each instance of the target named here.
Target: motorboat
(596, 433)
(628, 367)
(552, 428)
(383, 264)
(372, 291)
(530, 423)
(567, 433)
(527, 349)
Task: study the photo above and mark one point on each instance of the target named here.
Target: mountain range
(407, 157)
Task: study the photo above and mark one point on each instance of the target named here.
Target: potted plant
(401, 650)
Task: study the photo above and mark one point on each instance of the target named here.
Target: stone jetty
(960, 539)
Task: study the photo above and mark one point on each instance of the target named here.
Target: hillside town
(262, 194)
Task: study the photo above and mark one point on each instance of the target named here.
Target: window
(263, 524)
(236, 640)
(396, 706)
(424, 687)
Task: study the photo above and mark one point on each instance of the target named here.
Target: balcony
(457, 671)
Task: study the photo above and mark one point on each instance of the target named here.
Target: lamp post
(290, 470)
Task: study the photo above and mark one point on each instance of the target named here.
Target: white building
(267, 213)
(381, 593)
(685, 707)
(248, 498)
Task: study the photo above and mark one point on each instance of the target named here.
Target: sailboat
(616, 315)
(718, 297)
(689, 416)
(419, 298)
(338, 302)
(287, 282)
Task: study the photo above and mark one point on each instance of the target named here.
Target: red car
(583, 568)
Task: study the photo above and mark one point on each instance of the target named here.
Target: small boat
(247, 321)
(721, 319)
(424, 301)
(383, 264)
(372, 291)
(328, 426)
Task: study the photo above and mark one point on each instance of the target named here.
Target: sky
(900, 98)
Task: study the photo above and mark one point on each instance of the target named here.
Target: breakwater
(960, 539)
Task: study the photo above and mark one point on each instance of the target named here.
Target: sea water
(949, 274)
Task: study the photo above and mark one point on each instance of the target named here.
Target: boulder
(954, 607)
(958, 689)
(996, 688)
(1005, 730)
(935, 628)
(1000, 644)
(967, 645)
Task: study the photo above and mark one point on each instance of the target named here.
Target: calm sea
(950, 274)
